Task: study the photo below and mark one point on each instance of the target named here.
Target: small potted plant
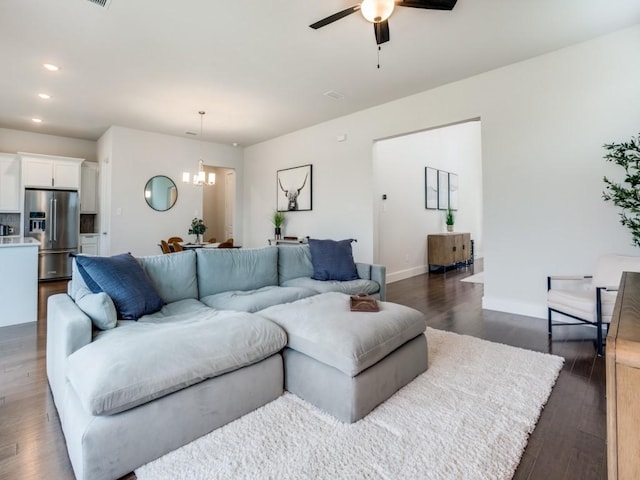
(278, 222)
(449, 220)
(197, 228)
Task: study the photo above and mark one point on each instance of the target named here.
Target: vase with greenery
(626, 195)
(278, 221)
(449, 220)
(197, 228)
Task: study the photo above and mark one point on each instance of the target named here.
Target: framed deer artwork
(294, 189)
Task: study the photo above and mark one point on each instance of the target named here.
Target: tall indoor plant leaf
(626, 195)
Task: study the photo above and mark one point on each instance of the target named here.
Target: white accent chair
(589, 299)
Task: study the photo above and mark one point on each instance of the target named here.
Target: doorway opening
(402, 218)
(219, 204)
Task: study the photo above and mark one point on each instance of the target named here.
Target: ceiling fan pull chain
(379, 48)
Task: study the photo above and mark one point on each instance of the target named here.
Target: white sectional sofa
(129, 394)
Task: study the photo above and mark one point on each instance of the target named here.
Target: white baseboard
(408, 273)
(517, 308)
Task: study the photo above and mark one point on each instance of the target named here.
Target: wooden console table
(287, 241)
(623, 382)
(445, 249)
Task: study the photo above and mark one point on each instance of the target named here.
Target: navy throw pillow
(123, 279)
(332, 260)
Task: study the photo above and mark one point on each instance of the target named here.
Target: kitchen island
(18, 280)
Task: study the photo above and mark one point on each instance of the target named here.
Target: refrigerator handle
(54, 211)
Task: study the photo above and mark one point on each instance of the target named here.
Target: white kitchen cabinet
(89, 244)
(50, 171)
(89, 188)
(9, 183)
(19, 281)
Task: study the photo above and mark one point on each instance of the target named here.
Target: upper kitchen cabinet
(50, 172)
(9, 183)
(89, 188)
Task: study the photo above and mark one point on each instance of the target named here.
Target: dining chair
(177, 247)
(228, 243)
(165, 247)
(212, 240)
(174, 240)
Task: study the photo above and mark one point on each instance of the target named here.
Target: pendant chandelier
(200, 178)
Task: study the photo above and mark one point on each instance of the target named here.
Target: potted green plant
(278, 219)
(624, 195)
(197, 228)
(449, 220)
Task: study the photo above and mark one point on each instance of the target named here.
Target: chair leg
(599, 349)
(548, 309)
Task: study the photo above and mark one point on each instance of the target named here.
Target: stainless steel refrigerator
(53, 217)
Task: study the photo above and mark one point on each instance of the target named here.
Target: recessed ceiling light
(36, 120)
(51, 67)
(235, 144)
(44, 96)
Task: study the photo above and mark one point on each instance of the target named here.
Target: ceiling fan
(379, 11)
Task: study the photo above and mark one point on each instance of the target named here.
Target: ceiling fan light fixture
(376, 11)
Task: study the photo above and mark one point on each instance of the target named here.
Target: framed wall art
(430, 188)
(294, 189)
(443, 190)
(453, 191)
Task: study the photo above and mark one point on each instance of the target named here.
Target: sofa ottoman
(344, 362)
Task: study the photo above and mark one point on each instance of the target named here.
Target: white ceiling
(255, 66)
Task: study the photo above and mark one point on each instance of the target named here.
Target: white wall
(12, 141)
(135, 156)
(402, 223)
(544, 122)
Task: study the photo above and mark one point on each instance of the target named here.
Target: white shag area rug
(467, 417)
(477, 278)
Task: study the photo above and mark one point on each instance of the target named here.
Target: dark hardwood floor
(567, 443)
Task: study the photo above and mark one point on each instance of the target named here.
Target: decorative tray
(363, 303)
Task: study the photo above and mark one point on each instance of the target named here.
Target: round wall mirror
(160, 193)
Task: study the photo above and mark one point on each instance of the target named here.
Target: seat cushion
(254, 300)
(581, 303)
(322, 327)
(143, 361)
(124, 280)
(176, 311)
(350, 287)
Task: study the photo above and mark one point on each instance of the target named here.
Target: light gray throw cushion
(174, 276)
(254, 300)
(322, 327)
(77, 286)
(229, 269)
(129, 366)
(98, 307)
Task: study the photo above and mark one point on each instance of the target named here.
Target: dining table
(191, 245)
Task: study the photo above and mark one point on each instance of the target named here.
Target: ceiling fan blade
(430, 4)
(381, 30)
(335, 16)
